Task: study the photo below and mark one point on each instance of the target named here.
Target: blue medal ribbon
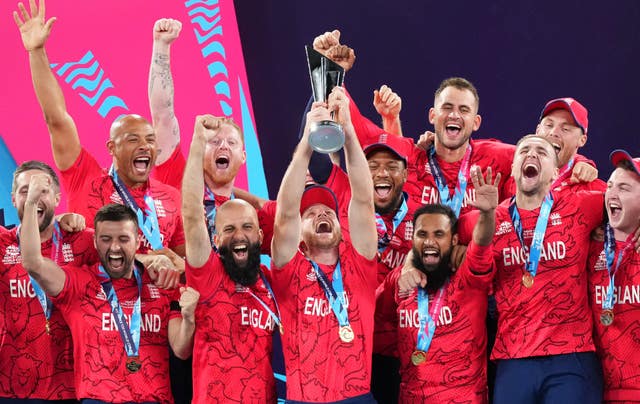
(56, 253)
(276, 317)
(384, 237)
(533, 258)
(130, 335)
(610, 252)
(334, 292)
(147, 220)
(427, 322)
(453, 201)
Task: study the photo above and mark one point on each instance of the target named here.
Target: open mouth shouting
(383, 190)
(323, 226)
(116, 261)
(615, 211)
(222, 162)
(430, 256)
(240, 251)
(141, 164)
(531, 169)
(453, 129)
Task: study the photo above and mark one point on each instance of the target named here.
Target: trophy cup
(324, 136)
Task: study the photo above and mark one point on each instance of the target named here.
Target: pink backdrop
(101, 54)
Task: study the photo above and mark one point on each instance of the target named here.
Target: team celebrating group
(385, 276)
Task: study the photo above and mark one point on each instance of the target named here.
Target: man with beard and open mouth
(326, 285)
(121, 323)
(544, 347)
(441, 322)
(31, 330)
(132, 143)
(614, 272)
(237, 312)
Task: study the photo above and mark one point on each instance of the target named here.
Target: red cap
(318, 194)
(577, 110)
(618, 156)
(392, 143)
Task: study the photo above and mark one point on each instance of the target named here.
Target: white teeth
(115, 256)
(385, 186)
(453, 126)
(240, 247)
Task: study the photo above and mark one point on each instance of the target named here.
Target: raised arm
(34, 31)
(181, 330)
(198, 245)
(47, 273)
(286, 229)
(388, 104)
(161, 93)
(362, 223)
(486, 202)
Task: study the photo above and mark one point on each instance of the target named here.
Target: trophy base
(326, 137)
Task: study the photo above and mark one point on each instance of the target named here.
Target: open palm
(33, 28)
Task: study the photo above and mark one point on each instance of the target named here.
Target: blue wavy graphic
(88, 79)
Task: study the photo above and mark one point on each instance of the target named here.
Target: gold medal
(346, 333)
(133, 364)
(527, 280)
(606, 317)
(281, 328)
(418, 357)
(47, 328)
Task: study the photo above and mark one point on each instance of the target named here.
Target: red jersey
(618, 344)
(34, 364)
(98, 350)
(319, 366)
(552, 317)
(171, 171)
(456, 362)
(233, 346)
(421, 185)
(90, 188)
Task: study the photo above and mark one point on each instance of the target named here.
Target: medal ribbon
(453, 201)
(210, 210)
(533, 258)
(334, 292)
(147, 220)
(610, 252)
(130, 335)
(56, 253)
(427, 322)
(384, 237)
(563, 175)
(276, 317)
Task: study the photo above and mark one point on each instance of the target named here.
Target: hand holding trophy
(324, 136)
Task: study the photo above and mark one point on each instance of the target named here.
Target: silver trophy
(325, 74)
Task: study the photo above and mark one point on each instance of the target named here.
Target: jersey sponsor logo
(256, 318)
(149, 323)
(516, 255)
(411, 318)
(432, 195)
(555, 219)
(623, 294)
(504, 228)
(12, 255)
(601, 262)
(321, 307)
(393, 258)
(19, 288)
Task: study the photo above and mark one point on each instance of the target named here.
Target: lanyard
(56, 252)
(276, 317)
(610, 252)
(130, 335)
(210, 210)
(453, 201)
(427, 322)
(334, 292)
(384, 237)
(563, 175)
(148, 221)
(533, 258)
